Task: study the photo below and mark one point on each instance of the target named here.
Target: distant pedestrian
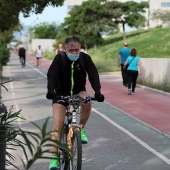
(123, 54)
(134, 67)
(60, 49)
(83, 49)
(39, 53)
(22, 55)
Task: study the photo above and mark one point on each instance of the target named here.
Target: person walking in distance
(22, 55)
(83, 49)
(134, 67)
(60, 49)
(123, 54)
(39, 53)
(67, 76)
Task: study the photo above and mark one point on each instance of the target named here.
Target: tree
(10, 10)
(95, 17)
(163, 16)
(131, 13)
(44, 30)
(89, 20)
(9, 17)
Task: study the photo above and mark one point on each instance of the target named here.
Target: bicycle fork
(73, 126)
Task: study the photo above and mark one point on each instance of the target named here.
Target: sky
(49, 15)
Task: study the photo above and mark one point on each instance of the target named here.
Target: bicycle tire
(76, 162)
(22, 62)
(62, 152)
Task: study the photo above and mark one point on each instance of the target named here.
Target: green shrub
(49, 55)
(4, 56)
(34, 145)
(164, 85)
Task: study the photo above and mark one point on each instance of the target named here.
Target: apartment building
(71, 3)
(155, 5)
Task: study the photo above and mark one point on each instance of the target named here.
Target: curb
(117, 73)
(153, 90)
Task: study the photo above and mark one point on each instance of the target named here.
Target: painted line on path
(145, 145)
(12, 90)
(36, 70)
(16, 106)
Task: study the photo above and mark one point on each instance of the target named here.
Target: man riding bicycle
(67, 76)
(22, 56)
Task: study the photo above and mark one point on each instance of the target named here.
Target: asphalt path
(117, 140)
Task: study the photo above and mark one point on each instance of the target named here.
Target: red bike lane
(146, 105)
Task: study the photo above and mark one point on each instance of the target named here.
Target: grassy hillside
(153, 43)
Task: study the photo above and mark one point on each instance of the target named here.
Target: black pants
(124, 75)
(132, 77)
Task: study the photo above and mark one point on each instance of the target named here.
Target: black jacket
(68, 81)
(21, 51)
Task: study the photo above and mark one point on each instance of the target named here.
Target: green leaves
(94, 18)
(7, 118)
(44, 30)
(33, 145)
(161, 15)
(37, 145)
(10, 10)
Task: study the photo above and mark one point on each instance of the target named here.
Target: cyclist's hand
(99, 97)
(50, 95)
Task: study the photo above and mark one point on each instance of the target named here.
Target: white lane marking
(135, 118)
(36, 70)
(12, 90)
(145, 145)
(16, 106)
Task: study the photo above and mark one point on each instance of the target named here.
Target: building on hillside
(155, 5)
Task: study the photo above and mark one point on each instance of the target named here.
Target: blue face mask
(73, 57)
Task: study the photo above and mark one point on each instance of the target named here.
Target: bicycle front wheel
(63, 154)
(75, 163)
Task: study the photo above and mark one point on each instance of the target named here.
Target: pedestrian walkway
(150, 107)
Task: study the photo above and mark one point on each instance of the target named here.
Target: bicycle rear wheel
(22, 62)
(76, 162)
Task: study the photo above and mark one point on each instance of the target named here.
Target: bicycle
(22, 60)
(70, 134)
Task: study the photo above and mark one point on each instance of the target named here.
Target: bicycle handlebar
(76, 99)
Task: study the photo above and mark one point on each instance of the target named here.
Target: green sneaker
(84, 139)
(54, 163)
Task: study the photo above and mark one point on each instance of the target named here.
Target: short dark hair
(133, 52)
(73, 39)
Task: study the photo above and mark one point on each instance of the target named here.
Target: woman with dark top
(60, 49)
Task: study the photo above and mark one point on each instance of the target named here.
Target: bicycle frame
(71, 134)
(73, 123)
(73, 159)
